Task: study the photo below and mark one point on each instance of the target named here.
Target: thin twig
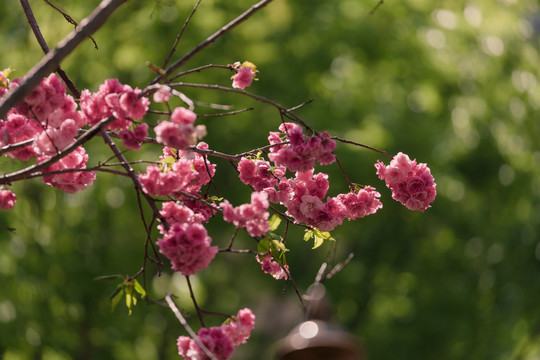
(336, 269)
(351, 186)
(199, 69)
(69, 19)
(375, 8)
(284, 111)
(11, 147)
(361, 145)
(224, 114)
(134, 178)
(180, 35)
(212, 38)
(186, 326)
(197, 308)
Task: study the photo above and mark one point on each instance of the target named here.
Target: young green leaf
(317, 241)
(116, 296)
(274, 222)
(138, 288)
(308, 235)
(263, 246)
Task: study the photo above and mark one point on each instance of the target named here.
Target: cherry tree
(46, 121)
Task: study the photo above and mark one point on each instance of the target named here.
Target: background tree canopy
(451, 83)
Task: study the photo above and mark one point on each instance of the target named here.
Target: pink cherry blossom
(362, 203)
(253, 217)
(176, 212)
(165, 182)
(71, 181)
(7, 199)
(114, 99)
(302, 151)
(259, 173)
(133, 139)
(269, 266)
(188, 248)
(239, 330)
(243, 78)
(179, 132)
(215, 340)
(162, 95)
(183, 116)
(412, 184)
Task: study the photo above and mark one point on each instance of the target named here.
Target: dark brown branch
(11, 147)
(50, 62)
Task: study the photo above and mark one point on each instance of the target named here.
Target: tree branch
(50, 62)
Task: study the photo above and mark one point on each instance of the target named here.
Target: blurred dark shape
(317, 338)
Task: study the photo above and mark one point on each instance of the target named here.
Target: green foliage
(318, 237)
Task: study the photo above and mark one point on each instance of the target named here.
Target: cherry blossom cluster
(50, 117)
(253, 217)
(269, 266)
(259, 174)
(412, 184)
(132, 139)
(220, 341)
(187, 246)
(303, 195)
(181, 175)
(305, 202)
(186, 171)
(302, 151)
(114, 99)
(179, 132)
(41, 116)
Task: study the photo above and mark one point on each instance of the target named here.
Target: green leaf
(116, 296)
(318, 241)
(318, 235)
(279, 245)
(263, 246)
(274, 222)
(139, 289)
(214, 199)
(308, 235)
(129, 298)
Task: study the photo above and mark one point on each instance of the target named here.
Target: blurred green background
(451, 83)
